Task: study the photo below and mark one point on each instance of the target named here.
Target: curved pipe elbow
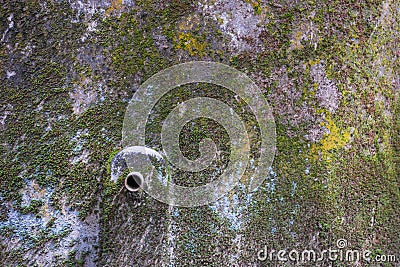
(134, 180)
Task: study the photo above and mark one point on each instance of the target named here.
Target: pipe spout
(134, 181)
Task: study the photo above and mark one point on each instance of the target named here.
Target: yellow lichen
(116, 5)
(334, 139)
(192, 44)
(314, 62)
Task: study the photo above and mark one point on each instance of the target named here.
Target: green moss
(336, 198)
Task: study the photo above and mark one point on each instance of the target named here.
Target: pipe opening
(133, 181)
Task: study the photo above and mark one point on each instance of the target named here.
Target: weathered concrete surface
(330, 69)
